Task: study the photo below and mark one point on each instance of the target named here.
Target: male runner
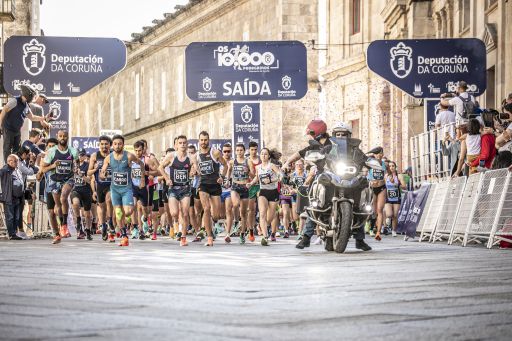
(225, 198)
(101, 187)
(179, 193)
(152, 162)
(140, 196)
(253, 191)
(195, 204)
(209, 160)
(60, 161)
(81, 196)
(121, 192)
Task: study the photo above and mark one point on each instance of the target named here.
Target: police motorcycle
(340, 199)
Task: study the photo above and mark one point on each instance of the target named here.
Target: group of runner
(190, 191)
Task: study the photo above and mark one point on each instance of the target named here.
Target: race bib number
(286, 191)
(226, 183)
(180, 176)
(378, 174)
(206, 167)
(239, 172)
(120, 179)
(392, 193)
(136, 173)
(265, 179)
(79, 180)
(299, 181)
(64, 167)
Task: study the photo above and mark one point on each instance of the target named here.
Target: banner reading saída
(411, 210)
(247, 123)
(90, 144)
(246, 71)
(429, 67)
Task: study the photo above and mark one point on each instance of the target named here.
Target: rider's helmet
(341, 129)
(316, 128)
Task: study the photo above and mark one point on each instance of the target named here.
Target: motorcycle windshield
(339, 149)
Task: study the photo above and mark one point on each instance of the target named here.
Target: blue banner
(90, 144)
(429, 67)
(247, 123)
(411, 210)
(214, 143)
(59, 111)
(61, 66)
(431, 110)
(246, 71)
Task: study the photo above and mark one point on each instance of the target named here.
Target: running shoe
(135, 233)
(183, 241)
(22, 235)
(89, 234)
(145, 227)
(286, 235)
(197, 239)
(242, 238)
(56, 240)
(273, 237)
(98, 231)
(251, 236)
(112, 237)
(264, 241)
(372, 234)
(209, 242)
(153, 236)
(65, 231)
(172, 233)
(124, 241)
(393, 233)
(142, 236)
(162, 232)
(227, 240)
(318, 241)
(118, 234)
(179, 235)
(81, 235)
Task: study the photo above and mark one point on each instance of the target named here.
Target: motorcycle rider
(317, 129)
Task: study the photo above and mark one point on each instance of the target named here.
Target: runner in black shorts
(101, 188)
(378, 185)
(50, 203)
(81, 196)
(195, 204)
(209, 161)
(240, 171)
(140, 195)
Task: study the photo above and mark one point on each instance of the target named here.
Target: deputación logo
(34, 59)
(401, 60)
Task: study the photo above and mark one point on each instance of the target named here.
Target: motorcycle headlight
(342, 169)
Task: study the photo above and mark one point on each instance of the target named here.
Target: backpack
(468, 108)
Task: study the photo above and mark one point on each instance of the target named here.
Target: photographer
(12, 117)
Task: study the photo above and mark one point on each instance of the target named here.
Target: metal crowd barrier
(433, 211)
(449, 209)
(473, 210)
(428, 161)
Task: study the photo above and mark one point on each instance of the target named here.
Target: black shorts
(141, 194)
(50, 203)
(242, 190)
(101, 191)
(84, 197)
(214, 190)
(378, 190)
(272, 195)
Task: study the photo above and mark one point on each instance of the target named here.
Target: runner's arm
(92, 163)
(106, 162)
(253, 181)
(161, 168)
(252, 168)
(154, 167)
(218, 156)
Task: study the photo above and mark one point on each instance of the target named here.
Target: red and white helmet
(316, 128)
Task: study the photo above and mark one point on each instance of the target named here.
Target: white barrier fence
(477, 209)
(428, 161)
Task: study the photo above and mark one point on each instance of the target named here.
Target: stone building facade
(380, 113)
(147, 99)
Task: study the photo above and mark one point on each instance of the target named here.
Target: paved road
(157, 290)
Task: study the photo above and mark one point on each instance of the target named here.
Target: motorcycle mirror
(314, 156)
(374, 164)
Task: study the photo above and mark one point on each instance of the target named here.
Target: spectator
(450, 146)
(34, 138)
(504, 141)
(488, 140)
(37, 109)
(24, 155)
(12, 117)
(11, 180)
(470, 147)
(463, 105)
(446, 119)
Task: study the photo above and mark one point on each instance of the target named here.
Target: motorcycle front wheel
(342, 231)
